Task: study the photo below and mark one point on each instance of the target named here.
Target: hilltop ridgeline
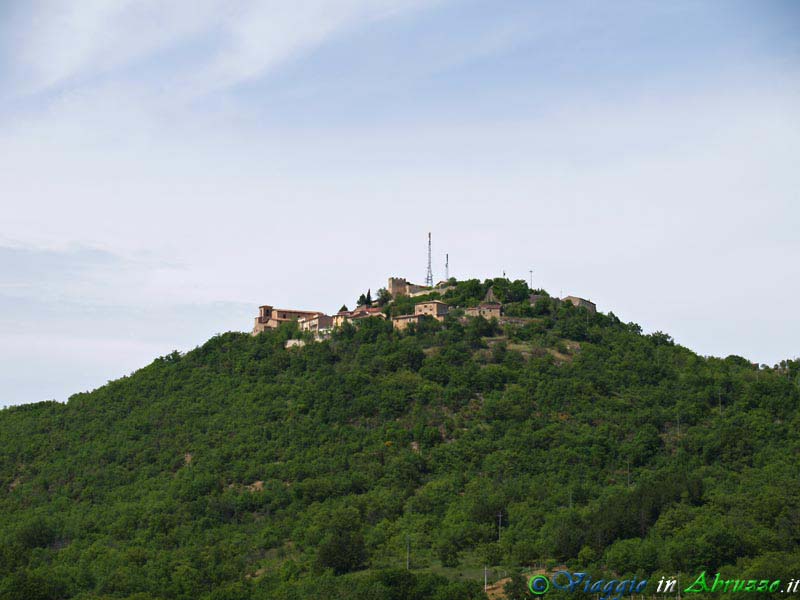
(244, 469)
(406, 304)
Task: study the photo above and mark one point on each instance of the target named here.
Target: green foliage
(384, 297)
(473, 291)
(243, 470)
(341, 546)
(517, 588)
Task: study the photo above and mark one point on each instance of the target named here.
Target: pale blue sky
(168, 166)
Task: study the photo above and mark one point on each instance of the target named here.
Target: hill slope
(245, 470)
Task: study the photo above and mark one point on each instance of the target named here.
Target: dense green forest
(243, 469)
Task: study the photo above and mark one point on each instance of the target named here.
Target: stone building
(398, 286)
(581, 303)
(318, 324)
(362, 312)
(432, 308)
(270, 318)
(444, 286)
(435, 308)
(402, 322)
(487, 310)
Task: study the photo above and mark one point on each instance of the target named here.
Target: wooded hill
(245, 470)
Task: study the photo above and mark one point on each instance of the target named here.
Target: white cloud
(55, 41)
(263, 34)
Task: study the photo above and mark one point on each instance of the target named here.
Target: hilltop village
(429, 305)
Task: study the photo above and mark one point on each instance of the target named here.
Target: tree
(342, 547)
(384, 297)
(517, 588)
(344, 308)
(24, 586)
(447, 553)
(36, 532)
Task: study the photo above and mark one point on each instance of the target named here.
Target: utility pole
(447, 267)
(531, 273)
(429, 275)
(485, 579)
(499, 524)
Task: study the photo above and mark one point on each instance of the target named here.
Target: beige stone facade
(318, 324)
(315, 322)
(487, 310)
(362, 312)
(434, 308)
(581, 303)
(270, 318)
(402, 322)
(398, 286)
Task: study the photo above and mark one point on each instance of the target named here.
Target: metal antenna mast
(429, 276)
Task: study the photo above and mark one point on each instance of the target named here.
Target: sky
(166, 167)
